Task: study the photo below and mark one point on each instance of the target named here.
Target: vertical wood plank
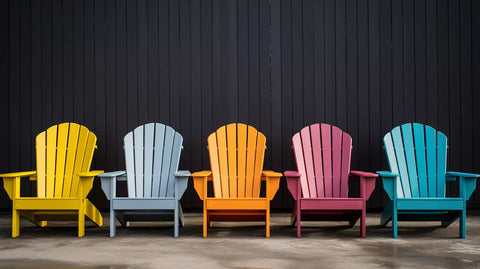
(317, 159)
(242, 158)
(232, 159)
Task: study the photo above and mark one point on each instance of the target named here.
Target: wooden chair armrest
(109, 182)
(90, 173)
(181, 183)
(19, 174)
(272, 182)
(200, 183)
(467, 182)
(11, 182)
(389, 183)
(293, 183)
(367, 182)
(292, 174)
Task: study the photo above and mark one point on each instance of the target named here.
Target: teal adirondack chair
(155, 186)
(417, 155)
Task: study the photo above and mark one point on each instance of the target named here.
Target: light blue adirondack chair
(155, 186)
(417, 155)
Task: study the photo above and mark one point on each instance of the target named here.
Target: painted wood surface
(64, 179)
(320, 186)
(155, 186)
(236, 157)
(416, 183)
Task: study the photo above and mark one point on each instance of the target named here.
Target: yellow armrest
(19, 174)
(11, 182)
(90, 173)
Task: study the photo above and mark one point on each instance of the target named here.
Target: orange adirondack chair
(236, 159)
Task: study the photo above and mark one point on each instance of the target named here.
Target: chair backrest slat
(336, 160)
(232, 159)
(418, 154)
(41, 150)
(167, 159)
(419, 136)
(62, 137)
(130, 164)
(410, 159)
(251, 145)
(70, 159)
(148, 163)
(174, 162)
(51, 157)
(402, 164)
(317, 159)
(158, 158)
(327, 159)
(298, 152)
(242, 158)
(441, 163)
(308, 162)
(346, 161)
(138, 150)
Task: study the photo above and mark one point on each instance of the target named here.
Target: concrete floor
(240, 245)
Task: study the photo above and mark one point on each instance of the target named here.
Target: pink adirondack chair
(320, 187)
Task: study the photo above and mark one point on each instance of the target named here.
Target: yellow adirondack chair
(64, 153)
(236, 159)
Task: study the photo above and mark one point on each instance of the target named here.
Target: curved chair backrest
(152, 154)
(236, 158)
(63, 151)
(418, 153)
(323, 154)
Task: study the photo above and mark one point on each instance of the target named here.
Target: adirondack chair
(155, 186)
(320, 186)
(417, 156)
(236, 159)
(64, 154)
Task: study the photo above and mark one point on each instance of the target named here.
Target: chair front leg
(81, 218)
(15, 222)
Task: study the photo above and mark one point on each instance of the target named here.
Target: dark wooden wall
(363, 65)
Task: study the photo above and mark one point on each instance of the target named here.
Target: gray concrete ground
(240, 245)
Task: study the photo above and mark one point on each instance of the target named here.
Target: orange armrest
(202, 174)
(271, 174)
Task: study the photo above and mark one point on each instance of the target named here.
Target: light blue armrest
(181, 183)
(108, 181)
